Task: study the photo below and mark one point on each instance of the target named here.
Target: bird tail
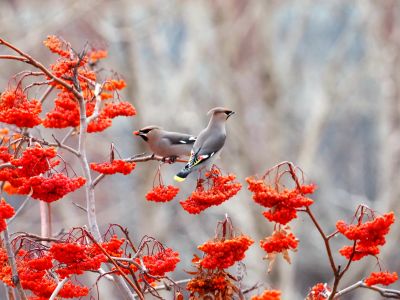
(181, 176)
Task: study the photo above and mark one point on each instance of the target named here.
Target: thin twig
(80, 206)
(28, 59)
(46, 94)
(61, 145)
(137, 158)
(136, 289)
(20, 208)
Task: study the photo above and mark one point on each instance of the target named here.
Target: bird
(208, 143)
(167, 144)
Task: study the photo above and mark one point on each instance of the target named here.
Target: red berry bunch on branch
(115, 166)
(213, 190)
(33, 172)
(87, 100)
(16, 109)
(226, 249)
(283, 204)
(160, 191)
(6, 212)
(268, 295)
(366, 236)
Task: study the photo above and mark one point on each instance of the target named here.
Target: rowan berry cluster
(223, 253)
(162, 193)
(215, 283)
(214, 190)
(384, 278)
(34, 276)
(320, 291)
(26, 174)
(268, 295)
(281, 241)
(282, 204)
(6, 212)
(66, 110)
(16, 109)
(115, 166)
(368, 236)
(161, 262)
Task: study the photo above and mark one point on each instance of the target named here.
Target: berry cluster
(75, 258)
(282, 204)
(16, 109)
(162, 262)
(215, 283)
(320, 291)
(162, 193)
(35, 161)
(6, 212)
(280, 241)
(221, 188)
(268, 295)
(52, 188)
(384, 278)
(368, 236)
(115, 166)
(34, 276)
(221, 254)
(66, 110)
(26, 174)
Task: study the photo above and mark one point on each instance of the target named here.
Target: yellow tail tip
(179, 179)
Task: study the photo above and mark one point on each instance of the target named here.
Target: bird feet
(170, 159)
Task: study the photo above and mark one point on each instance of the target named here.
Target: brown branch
(138, 158)
(136, 289)
(325, 239)
(36, 237)
(29, 60)
(13, 264)
(13, 57)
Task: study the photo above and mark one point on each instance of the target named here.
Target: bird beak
(230, 114)
(137, 132)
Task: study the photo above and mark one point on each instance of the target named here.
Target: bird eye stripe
(145, 130)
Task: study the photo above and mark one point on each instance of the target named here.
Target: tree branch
(13, 264)
(138, 158)
(58, 288)
(387, 293)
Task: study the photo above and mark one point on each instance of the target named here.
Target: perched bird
(208, 144)
(166, 143)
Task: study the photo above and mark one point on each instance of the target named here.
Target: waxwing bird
(208, 144)
(166, 143)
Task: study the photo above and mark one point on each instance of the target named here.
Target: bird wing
(176, 138)
(205, 147)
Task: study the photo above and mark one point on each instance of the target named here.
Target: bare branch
(28, 59)
(138, 158)
(387, 293)
(58, 288)
(20, 208)
(13, 264)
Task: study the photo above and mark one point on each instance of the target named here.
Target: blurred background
(313, 82)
